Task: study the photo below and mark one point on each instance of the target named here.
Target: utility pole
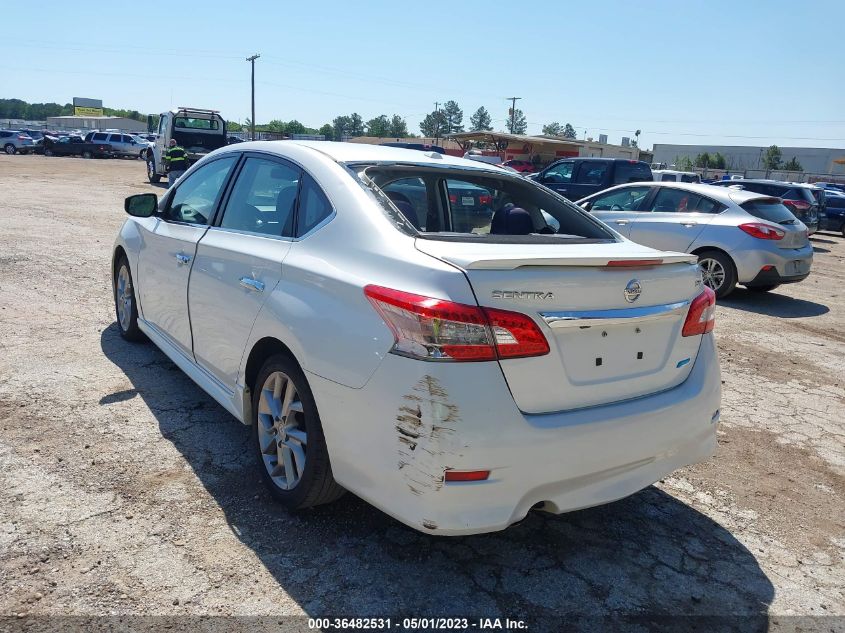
(251, 60)
(513, 101)
(436, 121)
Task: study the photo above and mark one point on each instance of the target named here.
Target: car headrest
(511, 220)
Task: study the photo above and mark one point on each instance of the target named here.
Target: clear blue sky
(682, 72)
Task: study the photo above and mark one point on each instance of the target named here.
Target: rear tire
(288, 440)
(152, 176)
(765, 288)
(87, 154)
(10, 149)
(718, 272)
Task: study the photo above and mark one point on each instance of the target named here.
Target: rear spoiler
(591, 262)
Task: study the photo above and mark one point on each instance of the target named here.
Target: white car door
(167, 251)
(239, 262)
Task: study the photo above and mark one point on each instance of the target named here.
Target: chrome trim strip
(590, 318)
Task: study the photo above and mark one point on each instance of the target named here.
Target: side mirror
(141, 205)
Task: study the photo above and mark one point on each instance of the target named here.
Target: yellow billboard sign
(82, 111)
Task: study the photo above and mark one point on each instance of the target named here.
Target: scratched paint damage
(426, 435)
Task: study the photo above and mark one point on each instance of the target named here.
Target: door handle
(622, 221)
(252, 284)
(181, 258)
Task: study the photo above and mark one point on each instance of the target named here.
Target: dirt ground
(125, 490)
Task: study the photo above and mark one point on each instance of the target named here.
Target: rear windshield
(191, 123)
(770, 210)
(632, 172)
(470, 205)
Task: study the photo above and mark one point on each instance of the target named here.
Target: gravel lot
(124, 489)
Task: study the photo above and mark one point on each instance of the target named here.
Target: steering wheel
(616, 207)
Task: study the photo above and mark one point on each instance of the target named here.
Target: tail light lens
(701, 317)
(453, 198)
(434, 329)
(762, 231)
(801, 205)
(484, 199)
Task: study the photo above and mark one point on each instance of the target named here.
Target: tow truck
(198, 130)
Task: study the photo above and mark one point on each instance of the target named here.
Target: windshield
(468, 205)
(191, 123)
(768, 209)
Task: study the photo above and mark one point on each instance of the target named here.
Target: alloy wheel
(150, 169)
(123, 298)
(712, 272)
(10, 149)
(281, 431)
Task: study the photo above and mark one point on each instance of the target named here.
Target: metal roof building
(96, 123)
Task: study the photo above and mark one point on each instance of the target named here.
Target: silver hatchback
(739, 236)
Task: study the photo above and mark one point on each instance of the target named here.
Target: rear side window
(770, 210)
(263, 198)
(314, 207)
(632, 172)
(670, 200)
(591, 173)
(5, 134)
(100, 137)
(690, 178)
(562, 172)
(668, 178)
(470, 205)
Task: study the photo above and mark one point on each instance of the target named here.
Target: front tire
(126, 308)
(87, 155)
(152, 176)
(10, 149)
(718, 272)
(288, 437)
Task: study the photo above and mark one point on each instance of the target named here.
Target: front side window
(562, 172)
(196, 196)
(263, 198)
(469, 205)
(100, 137)
(627, 199)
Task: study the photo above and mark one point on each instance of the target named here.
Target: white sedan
(453, 343)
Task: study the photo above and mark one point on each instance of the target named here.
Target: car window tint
(263, 198)
(631, 171)
(706, 205)
(100, 137)
(314, 206)
(195, 196)
(562, 172)
(668, 178)
(627, 199)
(591, 173)
(410, 196)
(674, 201)
(771, 210)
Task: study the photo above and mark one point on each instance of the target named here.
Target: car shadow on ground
(649, 555)
(815, 238)
(773, 304)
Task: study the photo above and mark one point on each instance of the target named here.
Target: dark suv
(797, 198)
(577, 178)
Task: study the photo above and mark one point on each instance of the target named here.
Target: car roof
(724, 195)
(365, 153)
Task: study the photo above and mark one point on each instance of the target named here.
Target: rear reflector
(434, 329)
(701, 317)
(762, 231)
(466, 475)
(633, 263)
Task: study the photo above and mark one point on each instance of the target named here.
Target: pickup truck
(75, 146)
(576, 178)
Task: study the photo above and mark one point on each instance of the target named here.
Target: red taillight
(701, 317)
(466, 475)
(483, 199)
(762, 231)
(453, 198)
(434, 329)
(22, 138)
(633, 263)
(801, 205)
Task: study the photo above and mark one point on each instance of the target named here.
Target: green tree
(398, 127)
(481, 121)
(772, 158)
(356, 125)
(453, 117)
(569, 131)
(342, 126)
(378, 126)
(702, 160)
(717, 161)
(793, 165)
(684, 163)
(275, 126)
(295, 127)
(553, 129)
(433, 124)
(232, 126)
(327, 131)
(517, 123)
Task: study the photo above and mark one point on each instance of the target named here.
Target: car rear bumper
(787, 264)
(392, 440)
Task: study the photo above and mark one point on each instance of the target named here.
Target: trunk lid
(604, 347)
